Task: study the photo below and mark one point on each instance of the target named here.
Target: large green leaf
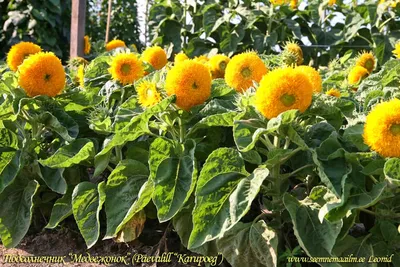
(183, 225)
(174, 182)
(127, 192)
(9, 167)
(61, 123)
(61, 210)
(224, 194)
(134, 129)
(392, 171)
(54, 179)
(316, 238)
(160, 149)
(16, 204)
(250, 244)
(87, 201)
(76, 152)
(216, 120)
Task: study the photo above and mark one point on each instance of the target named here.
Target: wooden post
(108, 20)
(78, 17)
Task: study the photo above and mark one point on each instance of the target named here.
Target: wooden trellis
(78, 18)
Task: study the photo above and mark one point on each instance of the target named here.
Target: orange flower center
(194, 85)
(47, 77)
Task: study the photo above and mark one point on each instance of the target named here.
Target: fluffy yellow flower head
(243, 69)
(87, 45)
(201, 59)
(19, 52)
(155, 56)
(80, 75)
(366, 60)
(126, 68)
(180, 57)
(147, 94)
(331, 2)
(42, 74)
(356, 74)
(281, 90)
(279, 2)
(382, 129)
(190, 81)
(115, 44)
(217, 66)
(294, 4)
(334, 92)
(396, 51)
(313, 76)
(295, 49)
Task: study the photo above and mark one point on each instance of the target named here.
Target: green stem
(368, 211)
(287, 143)
(181, 131)
(373, 179)
(298, 170)
(276, 142)
(270, 16)
(265, 140)
(118, 152)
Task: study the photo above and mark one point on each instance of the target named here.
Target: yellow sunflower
(126, 68)
(87, 46)
(331, 2)
(295, 49)
(115, 44)
(279, 2)
(382, 129)
(281, 90)
(202, 59)
(294, 4)
(42, 74)
(356, 74)
(217, 65)
(313, 75)
(180, 57)
(243, 69)
(155, 56)
(19, 52)
(396, 51)
(366, 60)
(190, 81)
(147, 94)
(80, 75)
(333, 92)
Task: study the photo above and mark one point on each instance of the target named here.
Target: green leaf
(223, 195)
(392, 171)
(174, 182)
(356, 247)
(134, 129)
(316, 238)
(216, 120)
(9, 167)
(76, 152)
(61, 123)
(87, 201)
(54, 179)
(219, 88)
(61, 210)
(127, 192)
(160, 149)
(354, 134)
(250, 244)
(183, 225)
(247, 132)
(16, 205)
